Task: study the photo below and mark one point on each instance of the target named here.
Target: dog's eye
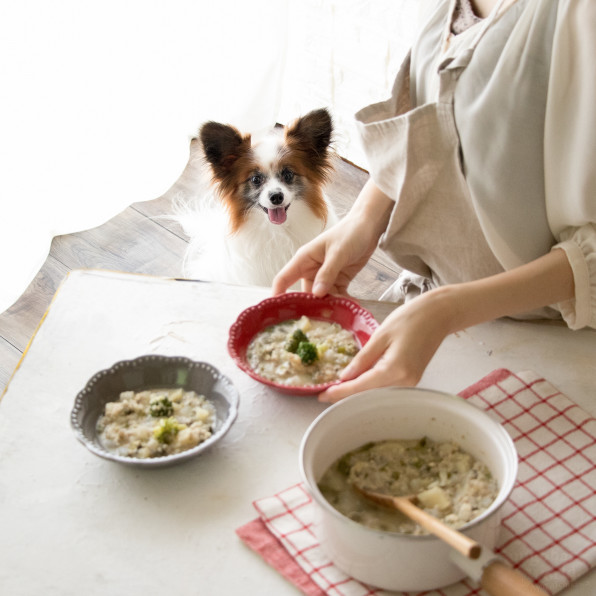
(287, 175)
(257, 179)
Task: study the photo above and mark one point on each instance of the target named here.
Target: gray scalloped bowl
(153, 372)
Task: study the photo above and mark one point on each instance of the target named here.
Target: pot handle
(500, 580)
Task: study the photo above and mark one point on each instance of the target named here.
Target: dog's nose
(276, 198)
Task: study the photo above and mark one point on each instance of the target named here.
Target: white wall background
(344, 54)
(98, 100)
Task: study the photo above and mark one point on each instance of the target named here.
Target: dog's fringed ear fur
(222, 145)
(312, 134)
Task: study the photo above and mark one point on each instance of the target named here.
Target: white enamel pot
(390, 560)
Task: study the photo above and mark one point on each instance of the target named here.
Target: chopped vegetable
(321, 349)
(295, 339)
(167, 429)
(161, 407)
(434, 497)
(350, 350)
(307, 352)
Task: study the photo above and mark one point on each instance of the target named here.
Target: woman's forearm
(543, 282)
(401, 348)
(374, 207)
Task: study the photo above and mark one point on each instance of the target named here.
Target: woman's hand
(402, 346)
(400, 349)
(328, 263)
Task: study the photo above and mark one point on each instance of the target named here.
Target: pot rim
(504, 490)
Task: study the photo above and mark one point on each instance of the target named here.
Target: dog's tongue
(277, 215)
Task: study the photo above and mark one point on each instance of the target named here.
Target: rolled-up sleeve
(570, 153)
(579, 245)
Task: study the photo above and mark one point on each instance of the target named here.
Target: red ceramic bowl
(293, 305)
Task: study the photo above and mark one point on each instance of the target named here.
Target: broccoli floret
(161, 407)
(307, 352)
(294, 340)
(167, 429)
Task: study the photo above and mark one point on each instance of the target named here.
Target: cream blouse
(525, 109)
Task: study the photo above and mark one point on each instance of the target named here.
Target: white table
(72, 523)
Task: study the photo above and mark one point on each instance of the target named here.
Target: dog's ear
(312, 131)
(223, 146)
(311, 136)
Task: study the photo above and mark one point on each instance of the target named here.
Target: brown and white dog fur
(266, 200)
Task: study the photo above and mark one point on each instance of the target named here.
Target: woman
(482, 182)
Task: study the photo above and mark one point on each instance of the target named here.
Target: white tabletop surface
(72, 523)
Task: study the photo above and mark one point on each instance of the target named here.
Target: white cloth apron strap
(432, 182)
(501, 101)
(497, 11)
(433, 230)
(414, 158)
(447, 81)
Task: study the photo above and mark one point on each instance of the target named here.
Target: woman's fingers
(366, 358)
(397, 353)
(320, 275)
(330, 261)
(385, 373)
(370, 368)
(304, 265)
(290, 274)
(338, 392)
(371, 379)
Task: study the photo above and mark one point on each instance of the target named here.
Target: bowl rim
(292, 297)
(502, 496)
(232, 398)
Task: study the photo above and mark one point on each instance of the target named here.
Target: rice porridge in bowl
(448, 482)
(154, 423)
(298, 343)
(302, 352)
(154, 411)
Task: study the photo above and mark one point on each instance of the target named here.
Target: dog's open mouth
(277, 215)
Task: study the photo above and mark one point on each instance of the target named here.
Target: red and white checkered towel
(549, 522)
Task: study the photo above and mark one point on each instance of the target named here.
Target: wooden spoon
(495, 577)
(407, 505)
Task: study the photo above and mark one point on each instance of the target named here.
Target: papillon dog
(265, 200)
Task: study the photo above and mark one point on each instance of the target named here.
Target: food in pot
(155, 422)
(448, 482)
(301, 352)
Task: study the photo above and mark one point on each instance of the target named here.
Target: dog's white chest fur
(255, 253)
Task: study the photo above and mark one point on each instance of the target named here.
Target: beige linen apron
(433, 230)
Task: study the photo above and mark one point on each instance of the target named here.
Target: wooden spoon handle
(460, 542)
(500, 580)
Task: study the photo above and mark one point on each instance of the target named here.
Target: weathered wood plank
(345, 185)
(372, 281)
(130, 242)
(19, 322)
(160, 212)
